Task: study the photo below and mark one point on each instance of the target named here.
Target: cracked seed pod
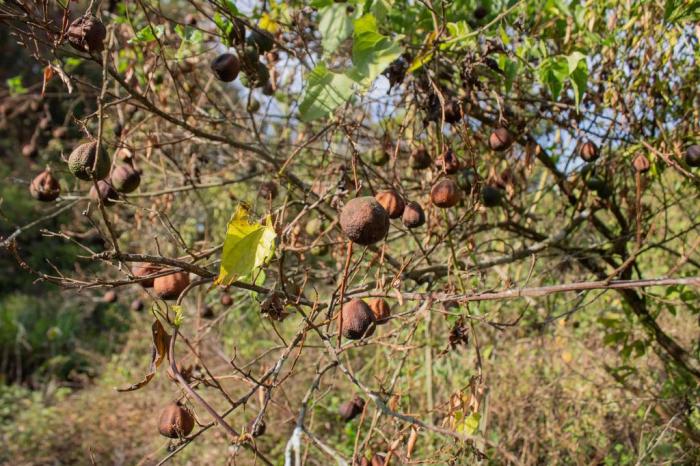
(175, 421)
(226, 299)
(500, 140)
(392, 202)
(641, 163)
(104, 192)
(413, 215)
(82, 159)
(226, 67)
(588, 151)
(491, 196)
(692, 156)
(381, 310)
(144, 269)
(358, 320)
(364, 220)
(171, 286)
(110, 296)
(420, 160)
(445, 193)
(125, 178)
(351, 408)
(44, 187)
(256, 430)
(87, 34)
(449, 162)
(268, 190)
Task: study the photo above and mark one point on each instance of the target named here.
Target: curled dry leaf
(161, 342)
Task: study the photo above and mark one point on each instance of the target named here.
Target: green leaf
(470, 424)
(680, 10)
(335, 26)
(15, 85)
(371, 51)
(325, 91)
(579, 81)
(148, 34)
(510, 69)
(247, 247)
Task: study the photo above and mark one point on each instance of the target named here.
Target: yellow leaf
(268, 24)
(247, 247)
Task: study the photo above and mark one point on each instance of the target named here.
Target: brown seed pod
(377, 460)
(136, 305)
(256, 430)
(87, 34)
(420, 160)
(364, 220)
(392, 202)
(381, 310)
(588, 151)
(268, 190)
(413, 215)
(226, 67)
(449, 162)
(82, 159)
(44, 187)
(145, 269)
(104, 192)
(445, 193)
(110, 296)
(500, 140)
(125, 178)
(226, 299)
(641, 163)
(175, 421)
(692, 156)
(351, 408)
(237, 35)
(358, 320)
(170, 286)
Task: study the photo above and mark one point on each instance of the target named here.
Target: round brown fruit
(449, 162)
(144, 269)
(588, 151)
(420, 160)
(44, 187)
(445, 193)
(226, 67)
(358, 319)
(104, 192)
(268, 190)
(500, 140)
(351, 408)
(125, 179)
(364, 220)
(641, 163)
(82, 159)
(392, 202)
(170, 286)
(110, 296)
(413, 215)
(87, 34)
(381, 310)
(226, 299)
(491, 196)
(261, 40)
(692, 156)
(175, 421)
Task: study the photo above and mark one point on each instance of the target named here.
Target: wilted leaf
(246, 248)
(161, 342)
